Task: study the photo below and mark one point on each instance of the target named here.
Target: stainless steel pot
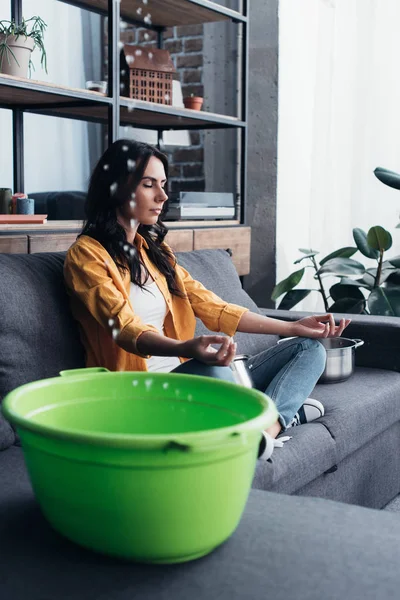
(241, 372)
(340, 358)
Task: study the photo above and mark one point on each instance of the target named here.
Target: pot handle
(358, 342)
(87, 370)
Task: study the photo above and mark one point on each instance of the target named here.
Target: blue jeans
(287, 373)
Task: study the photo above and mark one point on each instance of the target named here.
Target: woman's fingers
(331, 329)
(225, 354)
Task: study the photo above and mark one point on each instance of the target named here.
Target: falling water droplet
(113, 188)
(131, 164)
(167, 97)
(135, 382)
(146, 36)
(165, 385)
(122, 86)
(150, 55)
(106, 167)
(132, 204)
(133, 195)
(130, 59)
(125, 148)
(132, 251)
(148, 383)
(111, 322)
(123, 25)
(133, 223)
(190, 397)
(139, 10)
(115, 333)
(123, 72)
(138, 52)
(147, 19)
(120, 45)
(126, 247)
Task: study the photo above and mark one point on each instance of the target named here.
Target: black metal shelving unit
(21, 95)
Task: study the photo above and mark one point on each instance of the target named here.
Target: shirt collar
(140, 241)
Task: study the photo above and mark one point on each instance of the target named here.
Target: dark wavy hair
(114, 180)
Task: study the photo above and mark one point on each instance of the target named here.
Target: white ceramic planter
(22, 48)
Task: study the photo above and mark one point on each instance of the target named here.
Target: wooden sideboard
(57, 236)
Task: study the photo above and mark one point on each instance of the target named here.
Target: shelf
(160, 116)
(49, 99)
(166, 13)
(76, 226)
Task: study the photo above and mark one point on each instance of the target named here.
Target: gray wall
(262, 146)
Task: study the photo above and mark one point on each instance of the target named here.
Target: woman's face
(149, 197)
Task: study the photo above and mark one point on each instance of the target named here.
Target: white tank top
(149, 304)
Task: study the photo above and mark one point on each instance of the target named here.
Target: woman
(136, 306)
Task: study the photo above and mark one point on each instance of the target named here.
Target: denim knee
(315, 351)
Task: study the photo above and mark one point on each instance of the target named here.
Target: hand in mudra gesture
(200, 347)
(319, 326)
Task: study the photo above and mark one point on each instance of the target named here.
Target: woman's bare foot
(274, 430)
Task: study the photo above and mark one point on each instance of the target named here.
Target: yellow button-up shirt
(100, 302)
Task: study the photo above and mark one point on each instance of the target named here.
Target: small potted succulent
(193, 102)
(17, 41)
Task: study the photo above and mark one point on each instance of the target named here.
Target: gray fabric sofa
(285, 546)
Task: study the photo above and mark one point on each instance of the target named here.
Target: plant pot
(193, 102)
(21, 48)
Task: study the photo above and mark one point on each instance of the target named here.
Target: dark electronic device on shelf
(200, 205)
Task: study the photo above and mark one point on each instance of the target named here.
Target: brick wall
(185, 45)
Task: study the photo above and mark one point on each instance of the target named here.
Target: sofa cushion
(356, 412)
(38, 335)
(216, 271)
(284, 547)
(360, 408)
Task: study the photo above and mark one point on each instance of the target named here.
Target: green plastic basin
(147, 467)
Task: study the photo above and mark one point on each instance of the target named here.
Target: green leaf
(308, 251)
(342, 266)
(390, 178)
(306, 256)
(342, 252)
(379, 239)
(292, 298)
(385, 273)
(287, 284)
(385, 302)
(394, 279)
(340, 291)
(395, 261)
(355, 282)
(349, 305)
(360, 238)
(368, 280)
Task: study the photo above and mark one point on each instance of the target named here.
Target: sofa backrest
(216, 271)
(38, 335)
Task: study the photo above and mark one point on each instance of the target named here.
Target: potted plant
(360, 290)
(193, 102)
(17, 41)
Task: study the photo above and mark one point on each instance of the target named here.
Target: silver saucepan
(340, 358)
(241, 372)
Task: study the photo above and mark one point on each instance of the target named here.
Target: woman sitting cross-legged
(137, 307)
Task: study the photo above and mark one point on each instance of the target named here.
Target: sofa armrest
(381, 335)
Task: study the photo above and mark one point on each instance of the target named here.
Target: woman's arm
(313, 326)
(198, 347)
